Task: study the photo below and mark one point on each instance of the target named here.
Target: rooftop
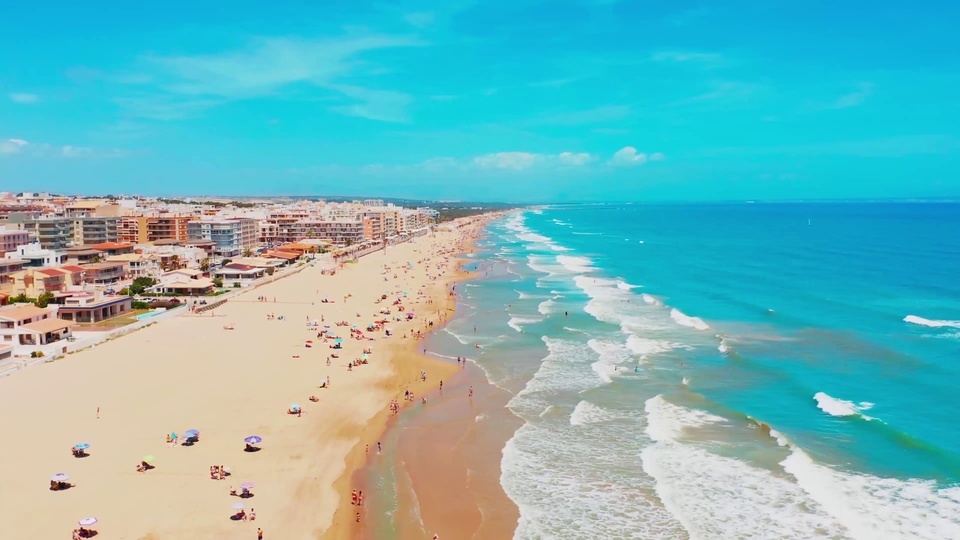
(107, 246)
(47, 325)
(20, 312)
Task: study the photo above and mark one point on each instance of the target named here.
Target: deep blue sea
(724, 371)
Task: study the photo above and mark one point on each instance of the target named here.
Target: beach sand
(191, 373)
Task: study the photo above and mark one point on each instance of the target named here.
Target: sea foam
(933, 323)
(686, 320)
(841, 407)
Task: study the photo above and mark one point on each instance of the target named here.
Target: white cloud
(572, 158)
(20, 146)
(12, 146)
(24, 99)
(628, 156)
(856, 98)
(76, 151)
(515, 161)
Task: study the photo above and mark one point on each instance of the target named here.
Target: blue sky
(515, 100)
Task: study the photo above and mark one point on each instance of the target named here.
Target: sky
(515, 100)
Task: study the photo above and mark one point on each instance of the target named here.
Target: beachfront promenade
(125, 396)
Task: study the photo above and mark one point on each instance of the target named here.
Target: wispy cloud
(510, 162)
(629, 156)
(24, 98)
(597, 115)
(382, 105)
(721, 91)
(20, 146)
(267, 67)
(687, 57)
(12, 146)
(856, 98)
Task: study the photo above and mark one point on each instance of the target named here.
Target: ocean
(723, 371)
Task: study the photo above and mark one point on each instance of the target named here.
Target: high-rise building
(231, 236)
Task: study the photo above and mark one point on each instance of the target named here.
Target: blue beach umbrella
(338, 340)
(253, 439)
(191, 433)
(294, 406)
(82, 446)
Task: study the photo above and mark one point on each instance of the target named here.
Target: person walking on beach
(259, 533)
(353, 498)
(471, 391)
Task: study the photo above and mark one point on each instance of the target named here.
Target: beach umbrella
(191, 433)
(253, 439)
(149, 458)
(82, 446)
(338, 340)
(238, 506)
(60, 477)
(294, 406)
(247, 485)
(87, 521)
(173, 435)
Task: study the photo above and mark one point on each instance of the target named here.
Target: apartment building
(231, 237)
(51, 232)
(373, 226)
(34, 255)
(95, 230)
(10, 239)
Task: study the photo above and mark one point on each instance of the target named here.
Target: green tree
(44, 299)
(141, 284)
(20, 298)
(270, 271)
(218, 282)
(247, 252)
(205, 265)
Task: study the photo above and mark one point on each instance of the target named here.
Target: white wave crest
(517, 322)
(933, 323)
(650, 300)
(666, 421)
(841, 407)
(579, 265)
(624, 286)
(686, 320)
(588, 413)
(874, 507)
(646, 346)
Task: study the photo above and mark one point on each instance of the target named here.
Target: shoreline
(190, 372)
(344, 524)
(450, 451)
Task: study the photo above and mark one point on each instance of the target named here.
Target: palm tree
(175, 262)
(205, 265)
(247, 252)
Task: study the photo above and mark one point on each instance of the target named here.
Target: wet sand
(447, 464)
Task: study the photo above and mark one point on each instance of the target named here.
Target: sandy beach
(124, 396)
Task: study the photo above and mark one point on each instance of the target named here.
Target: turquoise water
(147, 315)
(724, 371)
